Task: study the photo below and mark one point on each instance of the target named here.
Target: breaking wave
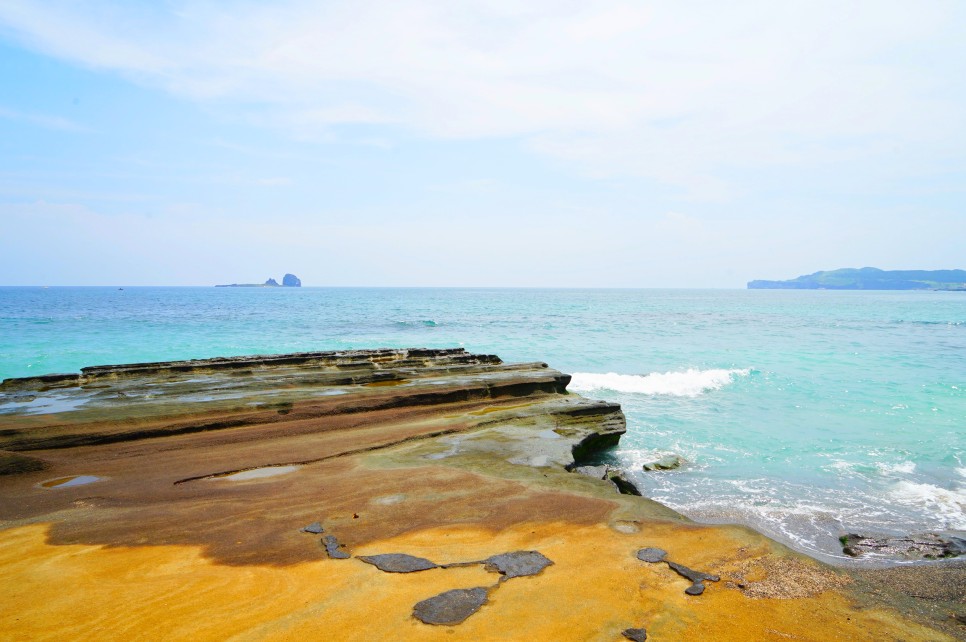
(947, 504)
(689, 383)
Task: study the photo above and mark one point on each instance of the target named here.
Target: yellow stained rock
(595, 588)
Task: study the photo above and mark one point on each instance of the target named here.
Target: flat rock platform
(372, 495)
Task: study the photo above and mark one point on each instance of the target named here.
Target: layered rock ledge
(382, 494)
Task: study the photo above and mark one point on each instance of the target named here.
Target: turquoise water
(805, 414)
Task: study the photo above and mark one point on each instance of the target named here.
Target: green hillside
(870, 279)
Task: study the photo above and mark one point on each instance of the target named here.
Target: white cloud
(680, 93)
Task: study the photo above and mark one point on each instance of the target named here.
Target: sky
(497, 143)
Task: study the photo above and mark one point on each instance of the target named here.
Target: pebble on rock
(637, 635)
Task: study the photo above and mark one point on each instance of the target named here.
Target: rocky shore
(384, 494)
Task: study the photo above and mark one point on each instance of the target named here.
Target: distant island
(870, 279)
(288, 281)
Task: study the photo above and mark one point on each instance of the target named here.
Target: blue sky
(607, 144)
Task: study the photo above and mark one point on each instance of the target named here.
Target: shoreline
(360, 424)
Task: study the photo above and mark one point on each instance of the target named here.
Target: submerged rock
(667, 462)
(398, 563)
(451, 607)
(923, 546)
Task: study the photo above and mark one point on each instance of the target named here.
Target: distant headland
(288, 281)
(870, 279)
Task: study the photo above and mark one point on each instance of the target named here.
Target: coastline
(437, 453)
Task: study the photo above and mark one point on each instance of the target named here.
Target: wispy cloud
(58, 123)
(686, 94)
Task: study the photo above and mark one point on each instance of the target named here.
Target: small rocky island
(288, 281)
(869, 278)
(396, 494)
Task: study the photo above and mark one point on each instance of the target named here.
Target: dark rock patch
(398, 563)
(637, 635)
(924, 546)
(315, 528)
(652, 555)
(14, 463)
(624, 485)
(697, 577)
(334, 549)
(517, 564)
(450, 607)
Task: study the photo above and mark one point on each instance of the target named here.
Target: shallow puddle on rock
(260, 473)
(64, 482)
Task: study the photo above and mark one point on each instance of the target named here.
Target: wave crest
(689, 383)
(948, 504)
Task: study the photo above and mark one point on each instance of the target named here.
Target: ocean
(803, 414)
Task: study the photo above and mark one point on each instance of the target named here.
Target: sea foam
(948, 504)
(689, 383)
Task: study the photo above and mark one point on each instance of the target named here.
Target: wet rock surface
(450, 607)
(334, 549)
(398, 562)
(652, 555)
(924, 546)
(637, 635)
(623, 484)
(517, 564)
(667, 462)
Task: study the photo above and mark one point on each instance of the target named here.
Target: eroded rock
(398, 562)
(517, 564)
(450, 607)
(597, 472)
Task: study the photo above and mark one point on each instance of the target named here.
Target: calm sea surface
(805, 414)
